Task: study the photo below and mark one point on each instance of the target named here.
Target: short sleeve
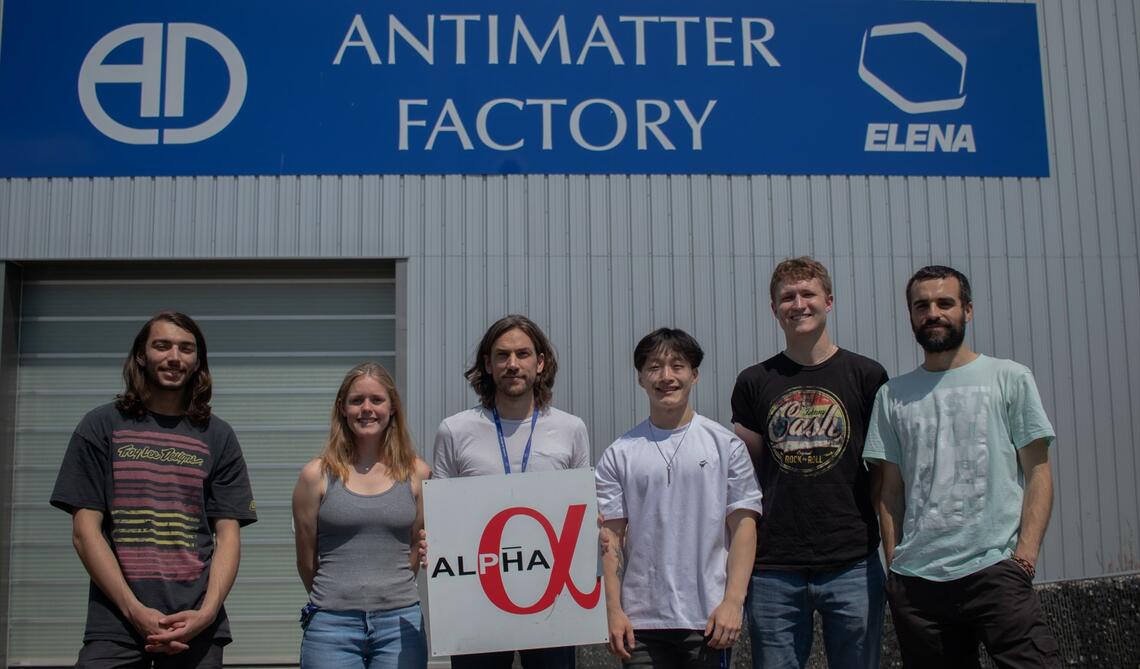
(443, 454)
(744, 404)
(607, 481)
(1027, 419)
(580, 458)
(743, 490)
(228, 493)
(882, 441)
(876, 377)
(83, 475)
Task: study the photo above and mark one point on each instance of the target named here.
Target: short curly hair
(803, 268)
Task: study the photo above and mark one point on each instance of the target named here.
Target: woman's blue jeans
(371, 639)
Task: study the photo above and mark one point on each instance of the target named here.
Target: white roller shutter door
(280, 340)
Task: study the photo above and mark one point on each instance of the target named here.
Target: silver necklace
(668, 460)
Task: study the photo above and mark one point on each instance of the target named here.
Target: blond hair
(396, 451)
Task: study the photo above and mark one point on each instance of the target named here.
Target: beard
(515, 389)
(940, 340)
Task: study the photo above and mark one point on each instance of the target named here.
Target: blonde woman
(358, 510)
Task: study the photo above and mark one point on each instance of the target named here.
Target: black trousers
(204, 653)
(939, 624)
(675, 649)
(537, 658)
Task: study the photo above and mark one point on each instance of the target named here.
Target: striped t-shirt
(158, 480)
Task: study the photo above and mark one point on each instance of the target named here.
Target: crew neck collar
(953, 369)
(838, 351)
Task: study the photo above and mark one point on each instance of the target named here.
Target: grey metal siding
(598, 261)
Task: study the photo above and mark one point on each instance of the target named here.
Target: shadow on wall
(1096, 621)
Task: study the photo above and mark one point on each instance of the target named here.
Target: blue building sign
(213, 87)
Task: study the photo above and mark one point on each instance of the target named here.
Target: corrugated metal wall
(599, 261)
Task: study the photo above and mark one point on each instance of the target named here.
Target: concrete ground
(1096, 622)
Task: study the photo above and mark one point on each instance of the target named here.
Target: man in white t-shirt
(966, 492)
(512, 429)
(679, 501)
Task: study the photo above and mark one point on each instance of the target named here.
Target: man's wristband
(1025, 565)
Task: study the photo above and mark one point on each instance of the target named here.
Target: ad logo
(149, 76)
(917, 137)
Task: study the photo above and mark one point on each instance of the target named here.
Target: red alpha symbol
(562, 547)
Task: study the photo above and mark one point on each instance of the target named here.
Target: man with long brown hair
(513, 374)
(157, 489)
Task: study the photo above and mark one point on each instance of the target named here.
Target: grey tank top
(362, 549)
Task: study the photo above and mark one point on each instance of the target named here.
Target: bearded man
(513, 429)
(966, 492)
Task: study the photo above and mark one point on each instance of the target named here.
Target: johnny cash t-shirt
(812, 419)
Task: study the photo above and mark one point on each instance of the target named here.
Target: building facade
(297, 278)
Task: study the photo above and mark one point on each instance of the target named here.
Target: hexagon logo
(898, 99)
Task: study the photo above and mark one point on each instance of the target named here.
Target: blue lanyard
(503, 441)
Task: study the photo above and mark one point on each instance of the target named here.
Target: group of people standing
(702, 527)
(782, 518)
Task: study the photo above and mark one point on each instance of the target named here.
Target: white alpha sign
(513, 562)
(148, 76)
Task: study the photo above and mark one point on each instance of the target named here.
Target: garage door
(280, 340)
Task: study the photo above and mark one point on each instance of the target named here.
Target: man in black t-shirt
(158, 489)
(803, 414)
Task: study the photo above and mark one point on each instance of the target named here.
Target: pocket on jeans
(1047, 646)
(895, 590)
(307, 613)
(1010, 563)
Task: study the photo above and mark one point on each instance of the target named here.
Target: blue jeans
(391, 639)
(850, 602)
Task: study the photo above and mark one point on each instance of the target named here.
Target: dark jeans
(100, 654)
(536, 658)
(939, 624)
(675, 649)
(849, 601)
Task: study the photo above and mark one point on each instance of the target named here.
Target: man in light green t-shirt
(966, 492)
